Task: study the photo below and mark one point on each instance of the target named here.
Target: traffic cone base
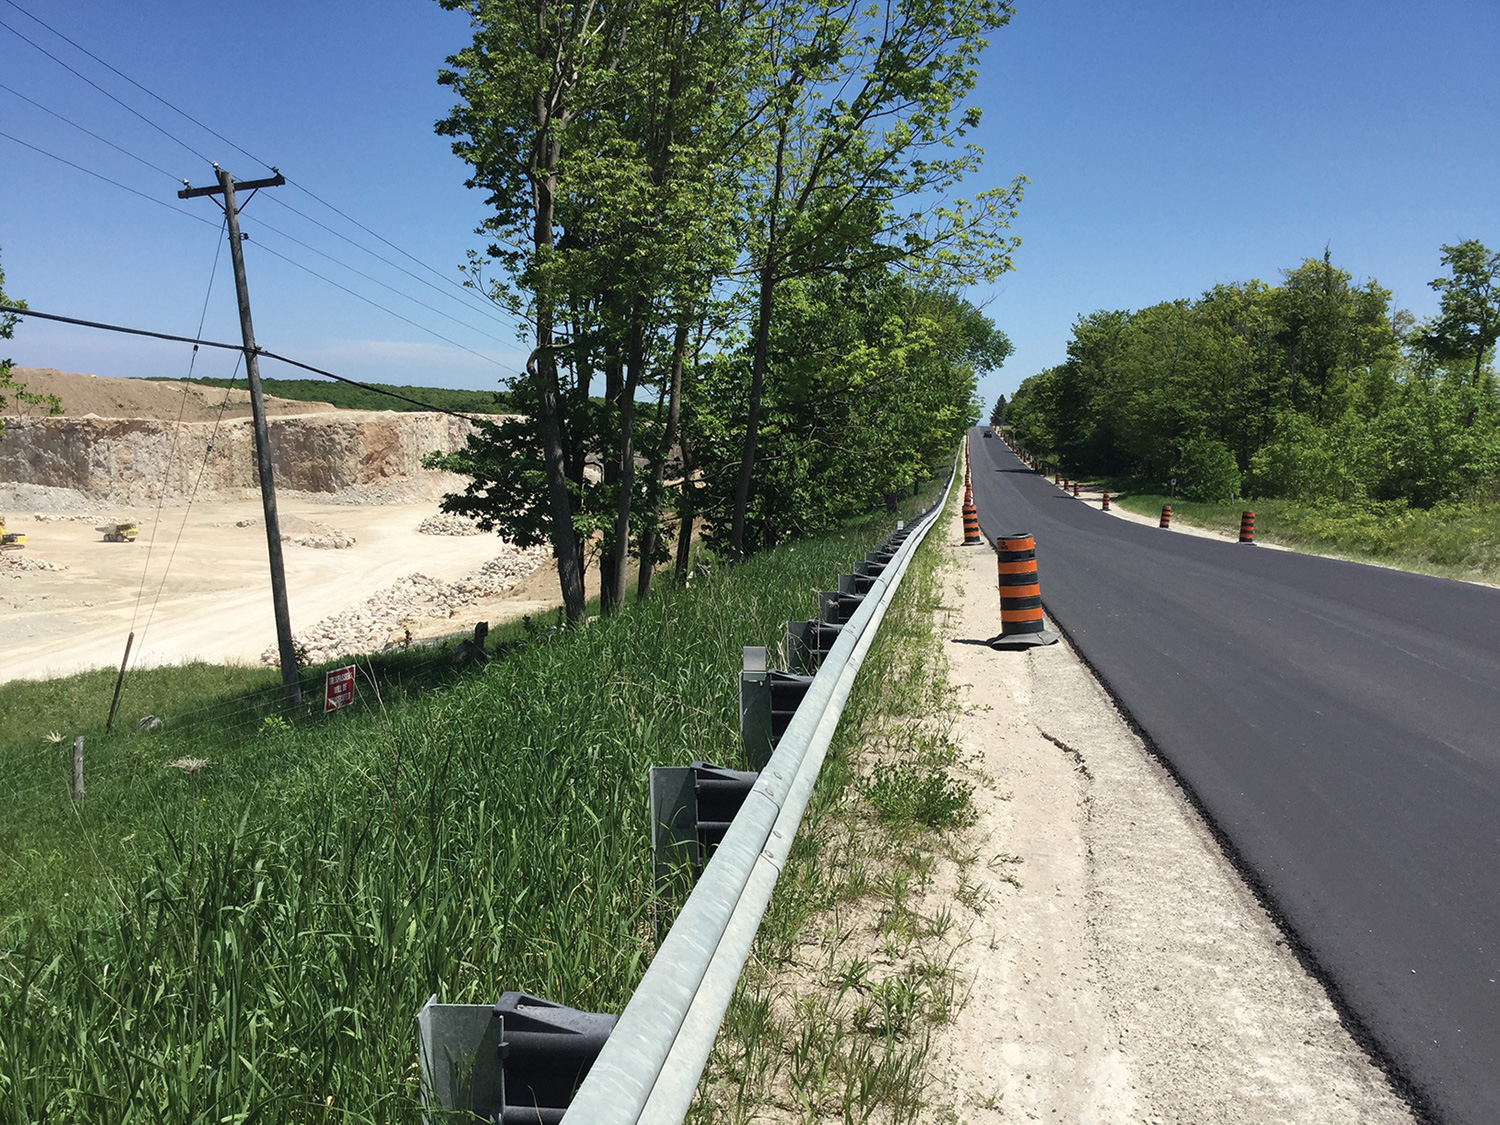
(1021, 621)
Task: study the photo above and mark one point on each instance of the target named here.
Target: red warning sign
(338, 688)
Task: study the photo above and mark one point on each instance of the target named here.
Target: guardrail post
(691, 807)
(520, 1058)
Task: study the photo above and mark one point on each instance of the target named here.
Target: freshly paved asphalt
(1339, 725)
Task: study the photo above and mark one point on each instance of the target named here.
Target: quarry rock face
(133, 460)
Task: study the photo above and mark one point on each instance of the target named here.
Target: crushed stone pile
(17, 561)
(306, 533)
(53, 517)
(448, 523)
(333, 540)
(379, 621)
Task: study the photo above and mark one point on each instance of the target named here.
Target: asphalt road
(1339, 725)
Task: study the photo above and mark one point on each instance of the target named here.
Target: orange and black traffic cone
(1247, 527)
(1166, 516)
(1075, 488)
(1106, 501)
(971, 513)
(971, 525)
(1021, 624)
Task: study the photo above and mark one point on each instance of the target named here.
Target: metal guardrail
(649, 1068)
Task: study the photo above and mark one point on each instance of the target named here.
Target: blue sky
(1171, 146)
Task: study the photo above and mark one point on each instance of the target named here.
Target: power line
(349, 218)
(148, 92)
(90, 132)
(17, 311)
(488, 308)
(377, 281)
(81, 76)
(377, 305)
(467, 293)
(106, 179)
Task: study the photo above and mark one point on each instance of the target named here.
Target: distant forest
(1316, 389)
(346, 397)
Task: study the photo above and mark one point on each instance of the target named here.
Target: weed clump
(905, 795)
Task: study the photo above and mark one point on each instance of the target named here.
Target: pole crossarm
(218, 189)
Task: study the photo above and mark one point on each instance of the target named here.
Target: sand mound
(108, 397)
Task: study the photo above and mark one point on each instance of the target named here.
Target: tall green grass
(255, 938)
(1449, 540)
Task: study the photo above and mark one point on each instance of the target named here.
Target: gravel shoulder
(1121, 972)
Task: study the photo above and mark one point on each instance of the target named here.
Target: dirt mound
(108, 397)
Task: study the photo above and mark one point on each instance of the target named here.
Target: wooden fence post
(78, 768)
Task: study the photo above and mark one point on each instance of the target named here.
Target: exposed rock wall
(133, 460)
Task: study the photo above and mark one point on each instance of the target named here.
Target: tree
(997, 413)
(592, 125)
(1468, 322)
(869, 386)
(857, 109)
(1208, 470)
(10, 389)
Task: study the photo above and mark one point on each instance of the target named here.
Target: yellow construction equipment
(119, 532)
(14, 541)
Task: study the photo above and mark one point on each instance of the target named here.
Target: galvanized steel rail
(649, 1068)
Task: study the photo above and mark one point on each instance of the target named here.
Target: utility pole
(291, 683)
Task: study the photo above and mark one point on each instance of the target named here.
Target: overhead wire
(466, 293)
(290, 261)
(378, 305)
(376, 280)
(84, 78)
(106, 179)
(15, 310)
(144, 89)
(192, 496)
(161, 492)
(350, 219)
(484, 305)
(90, 132)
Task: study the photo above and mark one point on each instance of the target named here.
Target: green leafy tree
(11, 390)
(1468, 321)
(1207, 470)
(1304, 386)
(858, 122)
(594, 129)
(870, 385)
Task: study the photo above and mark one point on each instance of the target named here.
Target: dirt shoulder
(1122, 971)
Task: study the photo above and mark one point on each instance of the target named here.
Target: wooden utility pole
(290, 681)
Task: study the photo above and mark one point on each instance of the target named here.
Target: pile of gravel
(380, 621)
(43, 517)
(332, 540)
(20, 561)
(448, 523)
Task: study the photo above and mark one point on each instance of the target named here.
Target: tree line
(1316, 389)
(733, 233)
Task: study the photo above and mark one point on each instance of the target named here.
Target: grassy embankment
(250, 940)
(1449, 540)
